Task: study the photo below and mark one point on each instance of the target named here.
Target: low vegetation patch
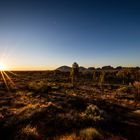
(39, 86)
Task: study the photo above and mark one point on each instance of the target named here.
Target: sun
(6, 77)
(2, 67)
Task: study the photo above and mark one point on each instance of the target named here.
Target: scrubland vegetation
(103, 104)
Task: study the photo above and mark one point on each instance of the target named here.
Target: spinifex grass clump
(39, 86)
(93, 113)
(90, 134)
(28, 133)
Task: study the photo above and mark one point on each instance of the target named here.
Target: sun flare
(5, 76)
(2, 67)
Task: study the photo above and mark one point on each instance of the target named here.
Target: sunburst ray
(12, 73)
(9, 78)
(3, 77)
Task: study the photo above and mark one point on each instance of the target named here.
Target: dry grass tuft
(84, 134)
(30, 130)
(27, 133)
(89, 134)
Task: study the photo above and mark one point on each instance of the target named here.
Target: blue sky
(45, 34)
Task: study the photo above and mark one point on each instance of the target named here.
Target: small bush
(28, 133)
(123, 89)
(137, 87)
(39, 86)
(93, 113)
(83, 134)
(126, 89)
(89, 134)
(67, 137)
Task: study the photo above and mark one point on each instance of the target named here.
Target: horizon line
(18, 69)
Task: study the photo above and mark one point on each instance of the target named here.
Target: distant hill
(91, 69)
(68, 69)
(64, 69)
(82, 69)
(107, 68)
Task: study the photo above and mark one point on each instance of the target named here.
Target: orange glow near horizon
(32, 68)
